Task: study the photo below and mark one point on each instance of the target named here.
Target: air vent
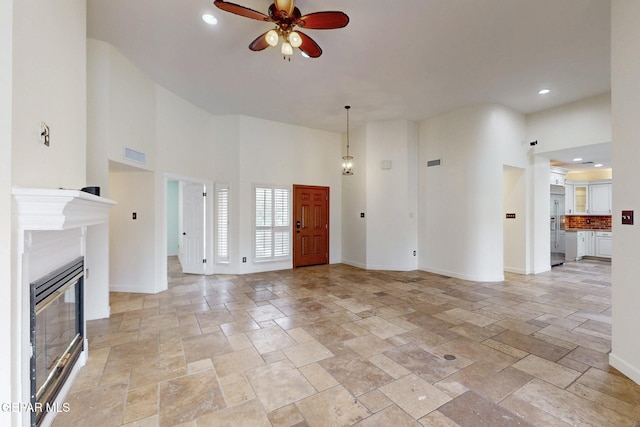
(134, 155)
(586, 163)
(436, 162)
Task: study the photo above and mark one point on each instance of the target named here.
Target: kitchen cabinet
(589, 243)
(580, 199)
(576, 245)
(587, 198)
(568, 199)
(603, 244)
(600, 199)
(556, 178)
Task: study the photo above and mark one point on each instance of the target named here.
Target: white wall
(539, 209)
(354, 201)
(184, 142)
(577, 124)
(279, 154)
(461, 201)
(43, 69)
(172, 218)
(625, 89)
(515, 229)
(131, 109)
(98, 137)
(6, 260)
(392, 200)
(49, 84)
(132, 243)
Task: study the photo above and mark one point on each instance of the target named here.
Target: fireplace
(61, 235)
(57, 333)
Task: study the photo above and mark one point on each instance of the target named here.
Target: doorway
(311, 223)
(514, 220)
(192, 214)
(188, 224)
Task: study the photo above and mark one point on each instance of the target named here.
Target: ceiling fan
(287, 17)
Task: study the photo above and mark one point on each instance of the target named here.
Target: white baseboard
(98, 314)
(515, 270)
(354, 264)
(632, 372)
(389, 268)
(471, 278)
(131, 289)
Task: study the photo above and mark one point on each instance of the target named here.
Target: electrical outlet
(244, 259)
(414, 253)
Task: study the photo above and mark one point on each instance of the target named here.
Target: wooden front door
(311, 225)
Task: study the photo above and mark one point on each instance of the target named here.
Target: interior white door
(193, 229)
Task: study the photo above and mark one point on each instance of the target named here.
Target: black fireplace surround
(57, 333)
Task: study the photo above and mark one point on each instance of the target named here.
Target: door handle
(298, 226)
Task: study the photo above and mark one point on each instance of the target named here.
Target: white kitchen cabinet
(589, 243)
(603, 244)
(588, 198)
(556, 178)
(576, 245)
(600, 199)
(581, 199)
(582, 243)
(568, 199)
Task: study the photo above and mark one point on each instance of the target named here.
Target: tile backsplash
(594, 222)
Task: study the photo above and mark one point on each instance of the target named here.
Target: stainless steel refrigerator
(557, 225)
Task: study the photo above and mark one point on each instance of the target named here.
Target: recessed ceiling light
(543, 91)
(577, 159)
(209, 19)
(597, 165)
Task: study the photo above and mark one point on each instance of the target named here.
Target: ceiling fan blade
(285, 5)
(241, 10)
(260, 43)
(309, 46)
(323, 20)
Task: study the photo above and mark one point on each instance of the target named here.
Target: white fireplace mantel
(51, 229)
(51, 209)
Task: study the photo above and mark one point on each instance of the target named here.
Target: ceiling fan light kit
(287, 17)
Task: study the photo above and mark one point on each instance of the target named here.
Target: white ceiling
(403, 59)
(589, 156)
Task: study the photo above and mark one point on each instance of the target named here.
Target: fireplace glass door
(56, 332)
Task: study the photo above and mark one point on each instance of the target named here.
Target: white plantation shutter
(273, 223)
(263, 243)
(222, 223)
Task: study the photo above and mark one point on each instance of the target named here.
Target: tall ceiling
(403, 59)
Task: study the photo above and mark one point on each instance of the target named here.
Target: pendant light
(347, 161)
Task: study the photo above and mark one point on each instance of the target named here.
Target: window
(222, 223)
(273, 223)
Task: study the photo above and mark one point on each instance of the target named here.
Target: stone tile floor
(336, 346)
